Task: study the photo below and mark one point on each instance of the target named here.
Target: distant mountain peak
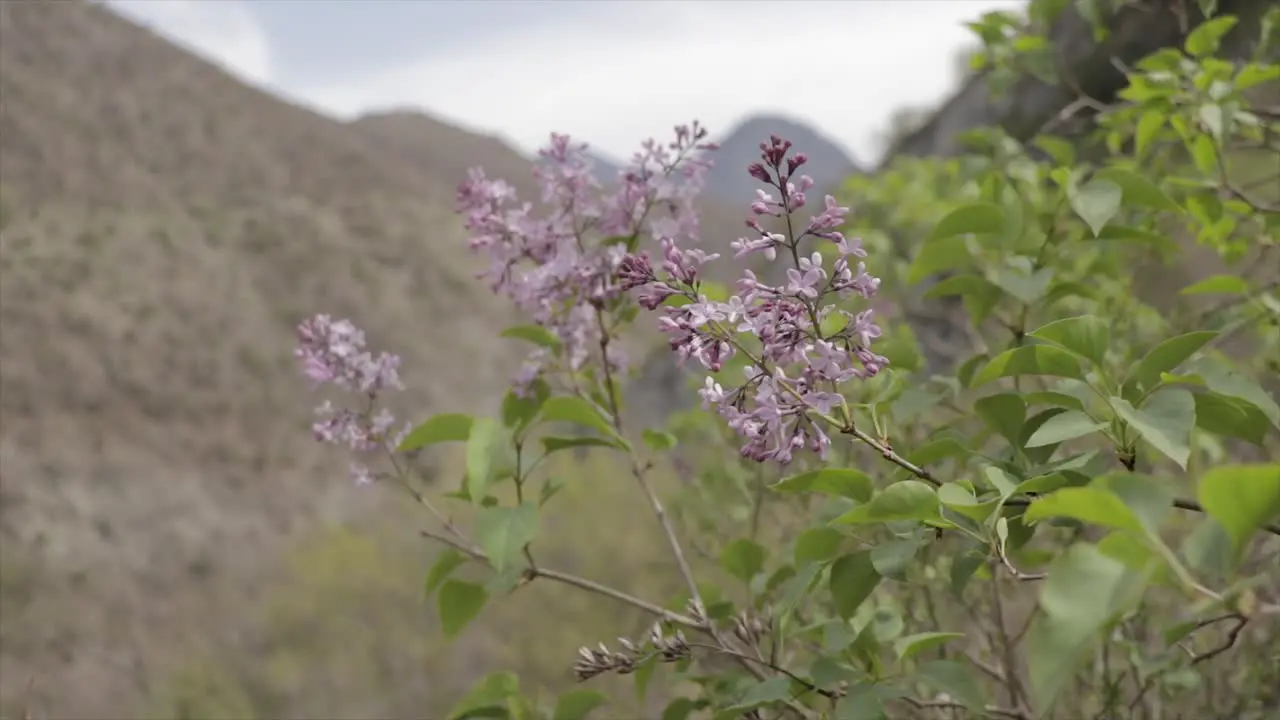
(728, 181)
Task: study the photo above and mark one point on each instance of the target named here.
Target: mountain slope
(162, 229)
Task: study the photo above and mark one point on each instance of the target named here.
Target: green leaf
(910, 645)
(551, 443)
(826, 672)
(1255, 74)
(1064, 289)
(1130, 549)
(1138, 190)
(535, 334)
(487, 698)
(518, 411)
(1043, 484)
(1217, 285)
(1149, 125)
(1149, 499)
(1214, 118)
(980, 295)
(1087, 336)
(999, 479)
(818, 544)
(911, 403)
(963, 570)
(1119, 233)
(853, 579)
(659, 441)
(937, 450)
(1064, 426)
(573, 409)
(484, 445)
(1062, 151)
(939, 256)
(1054, 398)
(905, 500)
(961, 285)
(1027, 288)
(448, 561)
(743, 559)
(1097, 203)
(1030, 360)
(842, 482)
(644, 674)
(862, 702)
(1005, 413)
(1225, 380)
(449, 427)
(1206, 38)
(1084, 591)
(1232, 417)
(901, 349)
(798, 586)
(1166, 356)
(1165, 421)
(978, 219)
(1205, 155)
(681, 708)
(1086, 504)
(1209, 550)
(577, 704)
(503, 532)
(775, 689)
(891, 558)
(954, 679)
(459, 603)
(960, 498)
(1242, 498)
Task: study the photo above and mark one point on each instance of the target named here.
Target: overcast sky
(611, 72)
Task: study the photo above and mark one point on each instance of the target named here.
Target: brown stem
(638, 473)
(578, 582)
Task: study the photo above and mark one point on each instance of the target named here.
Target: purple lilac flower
(334, 352)
(796, 368)
(546, 265)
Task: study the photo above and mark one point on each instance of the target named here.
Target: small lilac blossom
(334, 352)
(552, 266)
(795, 370)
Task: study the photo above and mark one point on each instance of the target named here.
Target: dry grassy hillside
(163, 229)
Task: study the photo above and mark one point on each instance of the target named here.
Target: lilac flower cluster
(334, 352)
(794, 368)
(548, 265)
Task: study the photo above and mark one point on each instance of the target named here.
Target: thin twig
(776, 668)
(894, 457)
(641, 479)
(578, 582)
(1233, 635)
(988, 669)
(1008, 650)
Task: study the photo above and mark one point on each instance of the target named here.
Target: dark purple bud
(795, 162)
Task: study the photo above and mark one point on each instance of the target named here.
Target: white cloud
(224, 32)
(629, 70)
